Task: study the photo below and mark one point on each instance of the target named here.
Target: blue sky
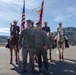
(54, 11)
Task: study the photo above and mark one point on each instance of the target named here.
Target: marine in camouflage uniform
(41, 44)
(33, 25)
(26, 42)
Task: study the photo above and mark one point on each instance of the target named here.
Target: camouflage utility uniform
(26, 42)
(41, 40)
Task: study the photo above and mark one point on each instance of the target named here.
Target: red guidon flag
(40, 12)
(23, 17)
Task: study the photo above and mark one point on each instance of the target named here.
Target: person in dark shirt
(17, 27)
(17, 30)
(46, 28)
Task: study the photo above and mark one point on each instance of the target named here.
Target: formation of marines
(33, 40)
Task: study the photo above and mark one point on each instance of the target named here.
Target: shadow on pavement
(55, 68)
(62, 68)
(70, 60)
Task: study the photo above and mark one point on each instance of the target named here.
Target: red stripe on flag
(23, 17)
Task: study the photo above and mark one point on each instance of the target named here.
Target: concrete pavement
(68, 67)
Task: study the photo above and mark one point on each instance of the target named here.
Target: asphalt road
(68, 67)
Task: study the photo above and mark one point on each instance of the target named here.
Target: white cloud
(12, 9)
(71, 10)
(59, 18)
(6, 0)
(4, 30)
(69, 15)
(12, 1)
(54, 10)
(29, 4)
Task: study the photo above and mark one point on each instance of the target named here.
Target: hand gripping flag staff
(23, 17)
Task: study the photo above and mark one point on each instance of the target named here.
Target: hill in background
(3, 40)
(70, 32)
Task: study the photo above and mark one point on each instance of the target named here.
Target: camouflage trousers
(42, 53)
(25, 52)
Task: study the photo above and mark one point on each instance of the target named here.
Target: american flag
(23, 17)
